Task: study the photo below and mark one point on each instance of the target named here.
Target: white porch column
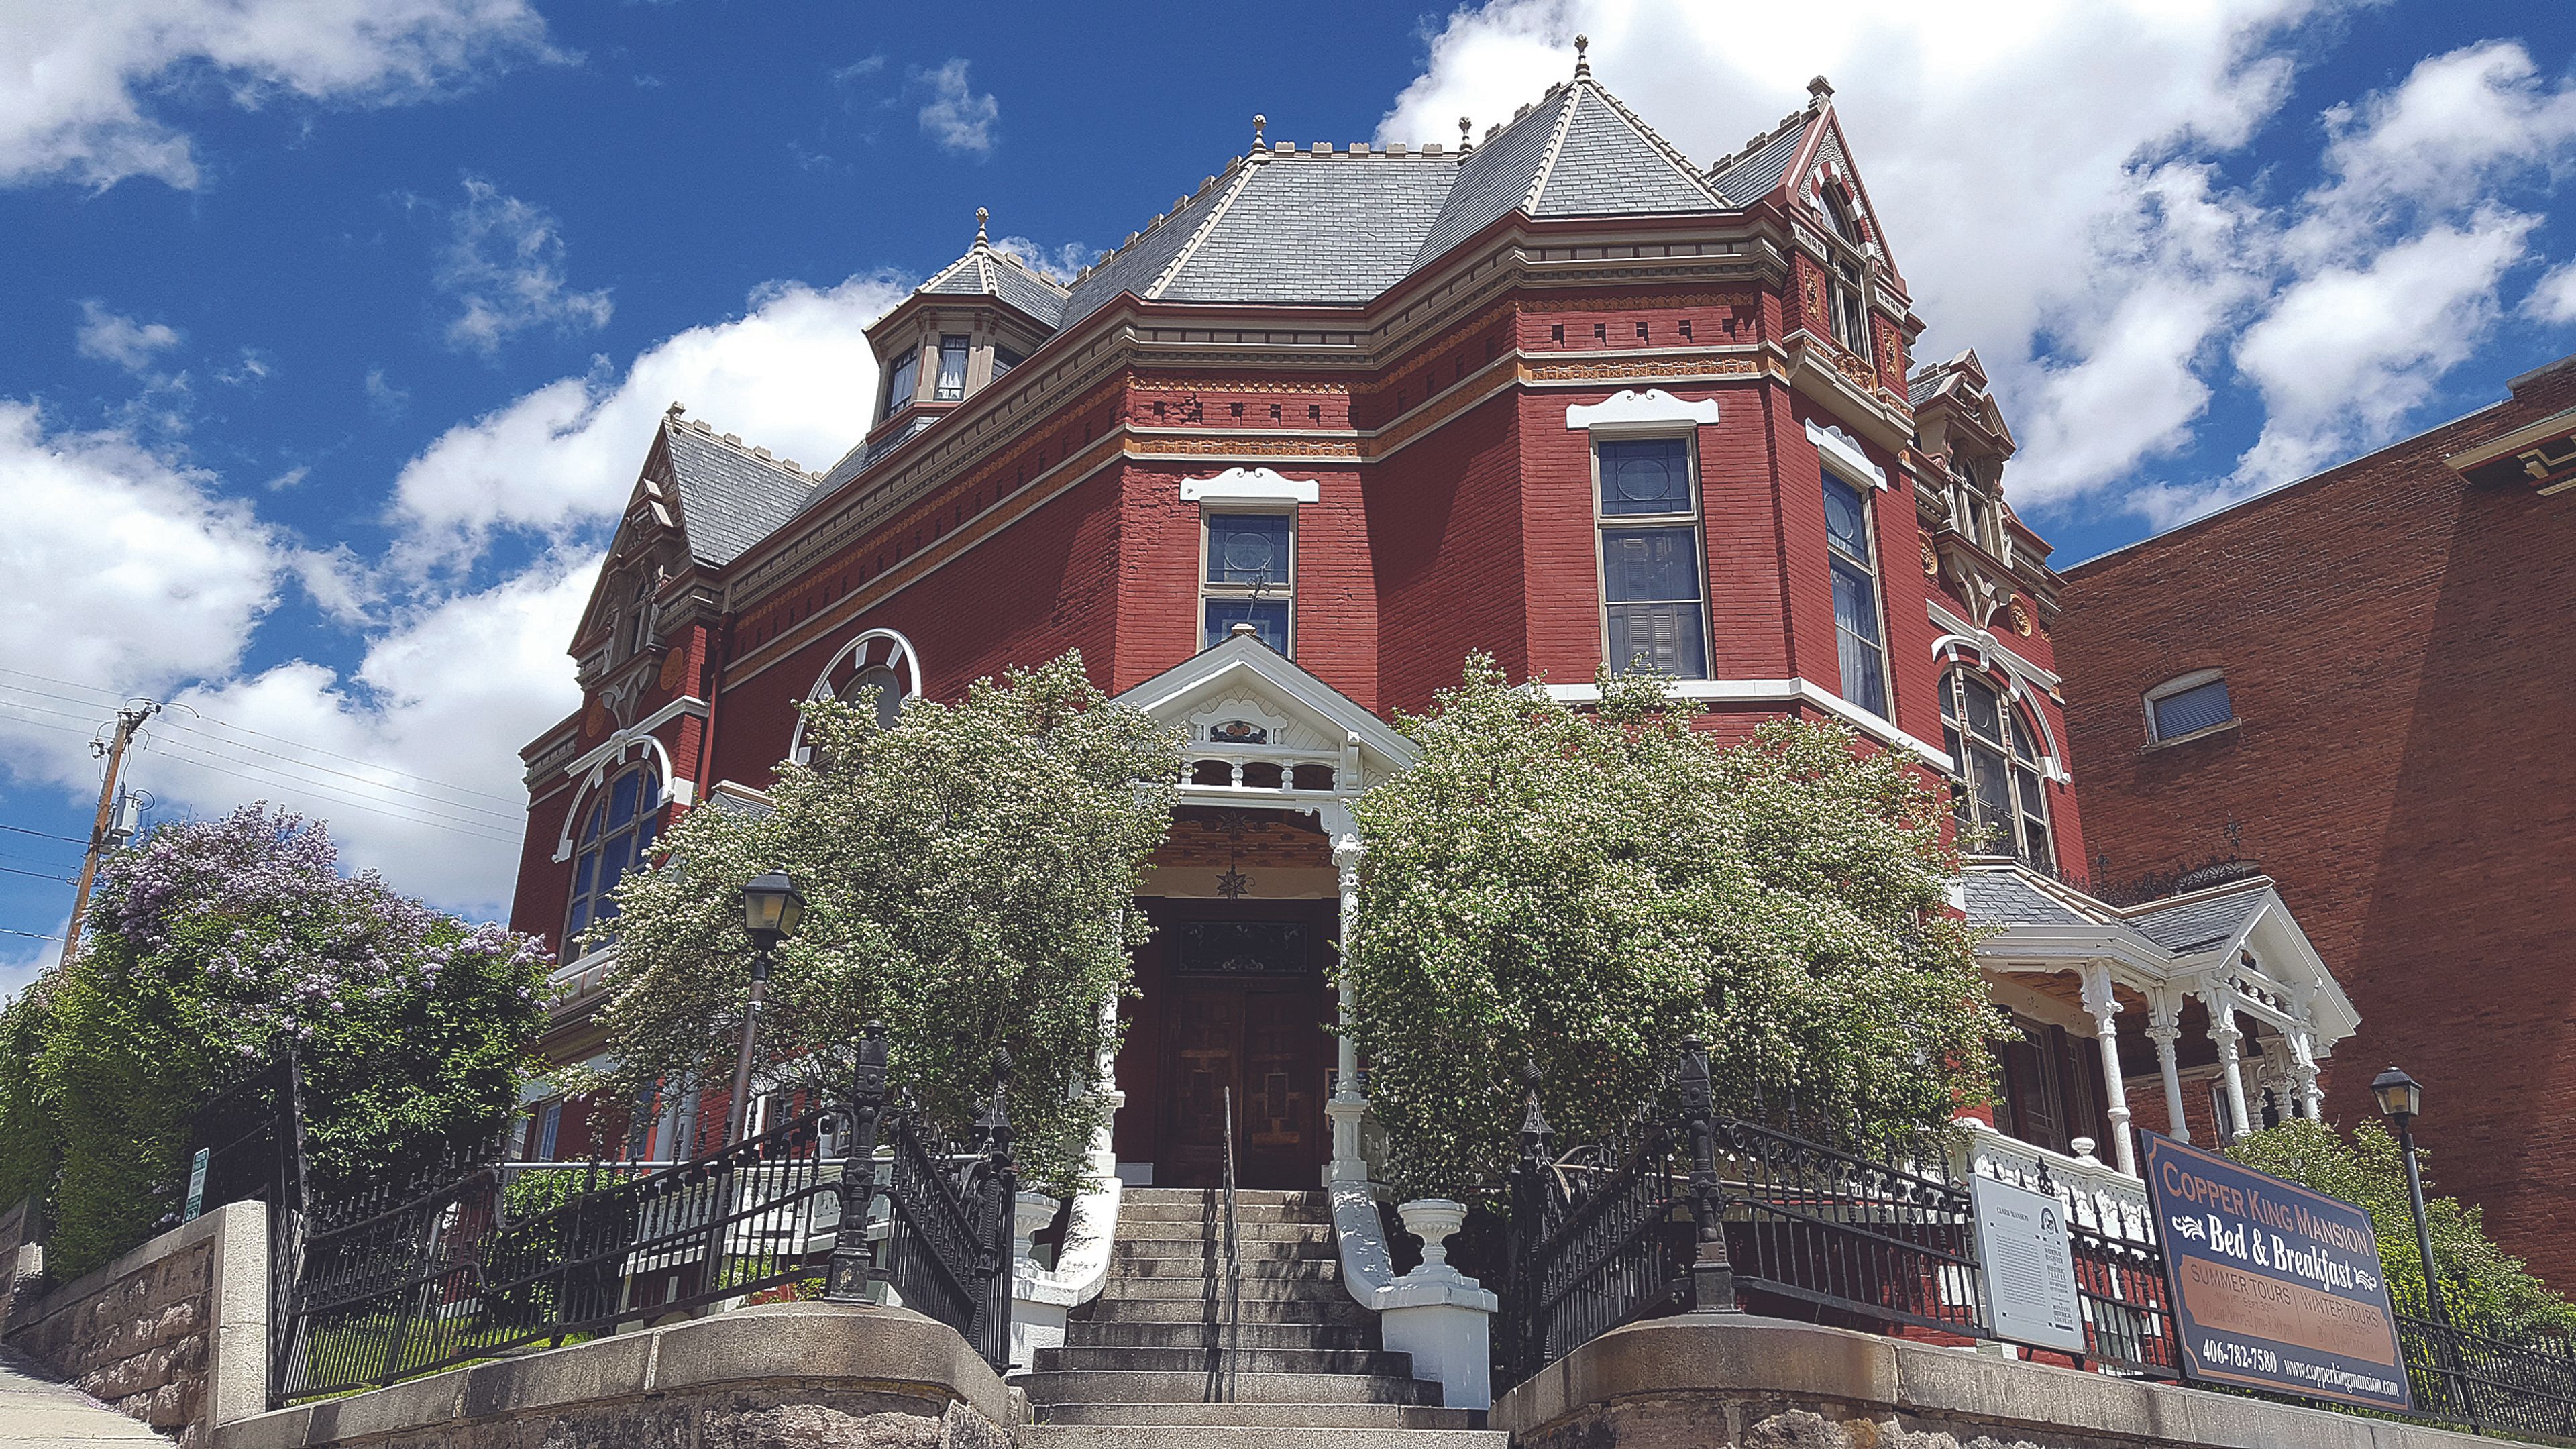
(2222, 1030)
(2105, 1007)
(2164, 1028)
(1347, 1106)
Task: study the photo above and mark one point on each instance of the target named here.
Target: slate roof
(728, 497)
(2198, 925)
(988, 271)
(1755, 173)
(2001, 898)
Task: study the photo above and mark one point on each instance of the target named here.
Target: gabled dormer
(1984, 552)
(959, 332)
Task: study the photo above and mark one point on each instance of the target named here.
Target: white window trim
(2179, 684)
(1952, 649)
(904, 654)
(1634, 430)
(596, 766)
(1249, 490)
(1653, 410)
(1844, 455)
(1878, 597)
(1780, 691)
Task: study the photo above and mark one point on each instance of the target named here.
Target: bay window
(1653, 600)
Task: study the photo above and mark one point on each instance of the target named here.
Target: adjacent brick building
(2360, 680)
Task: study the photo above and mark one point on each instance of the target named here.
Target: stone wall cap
(1748, 1355)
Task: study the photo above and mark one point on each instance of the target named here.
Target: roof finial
(1819, 91)
(1582, 66)
(1466, 129)
(675, 410)
(1258, 122)
(981, 216)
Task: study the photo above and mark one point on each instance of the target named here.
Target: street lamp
(772, 909)
(2401, 1097)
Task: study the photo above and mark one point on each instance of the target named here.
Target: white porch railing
(2098, 1197)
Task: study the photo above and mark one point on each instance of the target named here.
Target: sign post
(197, 1184)
(2273, 1286)
(2029, 1265)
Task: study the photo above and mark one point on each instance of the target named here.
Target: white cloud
(2049, 180)
(74, 77)
(1063, 263)
(956, 117)
(2553, 297)
(106, 336)
(504, 263)
(147, 579)
(793, 374)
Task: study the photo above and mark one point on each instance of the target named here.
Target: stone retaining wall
(174, 1333)
(807, 1375)
(1708, 1380)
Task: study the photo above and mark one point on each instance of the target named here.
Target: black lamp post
(2400, 1099)
(772, 909)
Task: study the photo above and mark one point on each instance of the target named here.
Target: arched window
(1999, 793)
(1847, 284)
(888, 681)
(640, 618)
(615, 837)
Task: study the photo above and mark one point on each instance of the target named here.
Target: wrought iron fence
(2486, 1376)
(252, 1133)
(483, 1258)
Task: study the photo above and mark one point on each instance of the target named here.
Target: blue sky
(338, 326)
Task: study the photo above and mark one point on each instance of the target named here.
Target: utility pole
(128, 720)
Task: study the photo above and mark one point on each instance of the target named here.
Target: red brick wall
(2397, 648)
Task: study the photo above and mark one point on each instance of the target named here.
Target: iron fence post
(1526, 1330)
(1712, 1274)
(854, 1266)
(1000, 1187)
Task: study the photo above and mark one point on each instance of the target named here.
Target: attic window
(952, 370)
(901, 381)
(1004, 359)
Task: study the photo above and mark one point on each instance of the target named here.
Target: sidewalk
(37, 1413)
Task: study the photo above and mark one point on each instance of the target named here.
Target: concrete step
(1287, 1416)
(1130, 1210)
(1244, 1197)
(1134, 1386)
(1132, 1436)
(1083, 1333)
(1154, 1230)
(1247, 1362)
(1338, 1309)
(1195, 1287)
(1214, 1267)
(1201, 1250)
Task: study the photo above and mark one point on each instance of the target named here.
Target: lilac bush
(215, 946)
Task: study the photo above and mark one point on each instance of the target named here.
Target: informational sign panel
(197, 1184)
(2274, 1287)
(2029, 1265)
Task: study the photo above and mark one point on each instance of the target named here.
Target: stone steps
(1197, 1289)
(1095, 1333)
(1198, 1232)
(1152, 1386)
(1248, 1361)
(1212, 1253)
(1286, 1416)
(1317, 1268)
(1284, 1436)
(1336, 1310)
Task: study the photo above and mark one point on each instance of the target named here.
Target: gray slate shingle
(2198, 925)
(1607, 165)
(1757, 175)
(1996, 898)
(728, 498)
(1494, 178)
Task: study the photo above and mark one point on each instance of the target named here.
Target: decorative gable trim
(1242, 667)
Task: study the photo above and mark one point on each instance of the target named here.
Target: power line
(421, 806)
(65, 683)
(30, 935)
(514, 803)
(393, 810)
(511, 817)
(43, 834)
(36, 875)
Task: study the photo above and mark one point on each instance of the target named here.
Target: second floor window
(888, 683)
(901, 380)
(1857, 635)
(1249, 578)
(1654, 608)
(1999, 794)
(2188, 705)
(952, 370)
(615, 837)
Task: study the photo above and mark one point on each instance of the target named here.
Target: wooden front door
(1246, 997)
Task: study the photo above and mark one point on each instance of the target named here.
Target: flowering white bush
(1584, 888)
(969, 873)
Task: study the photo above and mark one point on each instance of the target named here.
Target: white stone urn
(1030, 1215)
(1433, 1219)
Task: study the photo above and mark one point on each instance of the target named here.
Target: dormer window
(640, 621)
(901, 381)
(952, 370)
(1847, 283)
(1004, 359)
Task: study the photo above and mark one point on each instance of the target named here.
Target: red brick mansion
(1276, 465)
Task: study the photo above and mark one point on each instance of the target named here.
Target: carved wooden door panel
(1206, 1059)
(1283, 1080)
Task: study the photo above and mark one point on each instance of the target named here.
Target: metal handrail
(1231, 1334)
